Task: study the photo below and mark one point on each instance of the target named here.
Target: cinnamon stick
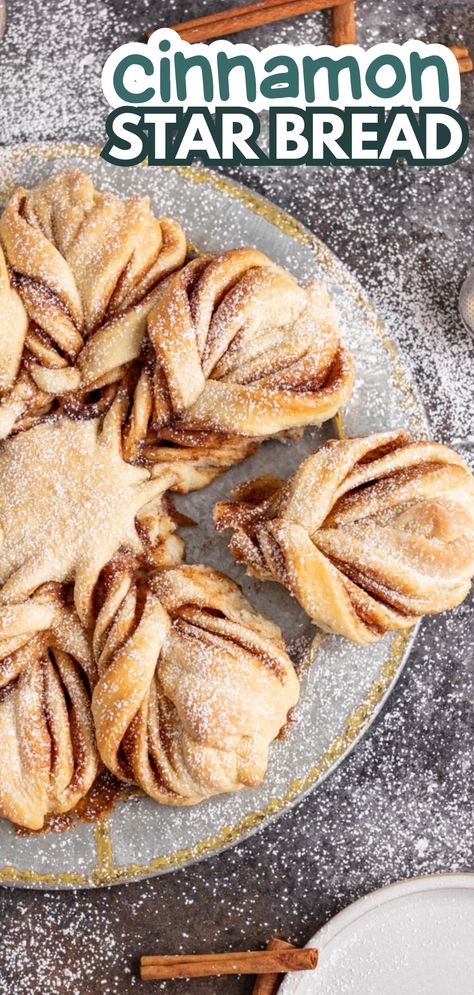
(268, 984)
(252, 15)
(207, 965)
(460, 51)
(343, 24)
(464, 60)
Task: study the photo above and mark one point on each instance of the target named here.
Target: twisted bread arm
(49, 756)
(13, 327)
(20, 398)
(193, 685)
(85, 262)
(369, 534)
(237, 352)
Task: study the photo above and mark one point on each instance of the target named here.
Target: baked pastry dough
(124, 374)
(49, 753)
(193, 684)
(82, 261)
(236, 352)
(68, 502)
(19, 394)
(369, 534)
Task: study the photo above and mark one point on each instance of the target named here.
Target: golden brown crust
(20, 398)
(237, 352)
(84, 263)
(193, 684)
(49, 754)
(369, 534)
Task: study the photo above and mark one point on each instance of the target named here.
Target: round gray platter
(343, 685)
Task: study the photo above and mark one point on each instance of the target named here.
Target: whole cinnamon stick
(252, 15)
(227, 22)
(268, 984)
(343, 24)
(207, 965)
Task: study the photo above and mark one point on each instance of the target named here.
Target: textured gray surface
(402, 803)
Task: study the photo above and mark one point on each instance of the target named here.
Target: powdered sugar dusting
(401, 804)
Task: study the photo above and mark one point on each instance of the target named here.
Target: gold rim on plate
(106, 871)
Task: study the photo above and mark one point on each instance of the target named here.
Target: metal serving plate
(344, 686)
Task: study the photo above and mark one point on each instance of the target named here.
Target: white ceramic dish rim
(382, 896)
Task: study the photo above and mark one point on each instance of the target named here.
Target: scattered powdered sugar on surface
(402, 802)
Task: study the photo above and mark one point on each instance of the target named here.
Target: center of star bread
(67, 502)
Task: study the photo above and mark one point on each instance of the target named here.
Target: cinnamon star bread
(49, 754)
(369, 534)
(236, 351)
(83, 262)
(193, 684)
